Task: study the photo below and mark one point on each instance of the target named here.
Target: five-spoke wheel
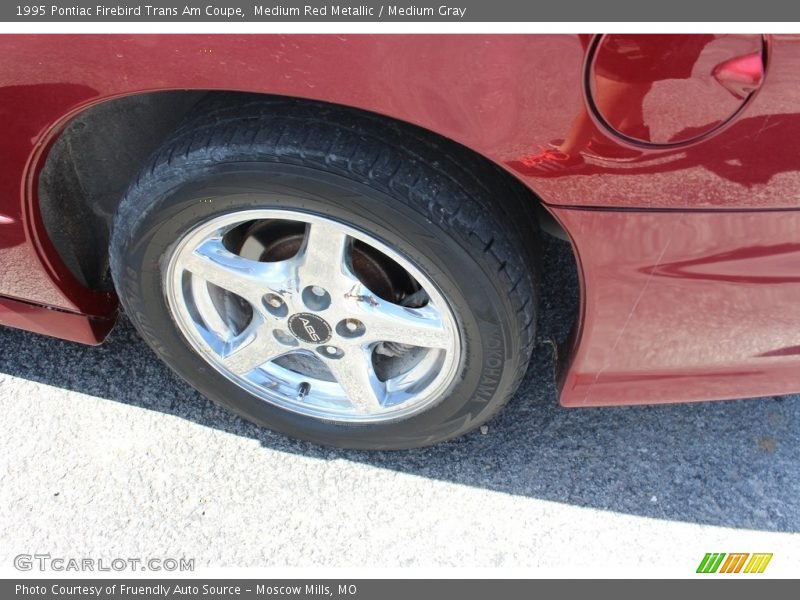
(280, 302)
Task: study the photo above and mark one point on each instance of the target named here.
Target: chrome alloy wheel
(313, 316)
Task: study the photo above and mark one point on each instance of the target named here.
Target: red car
(338, 236)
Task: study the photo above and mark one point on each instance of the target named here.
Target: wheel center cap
(309, 328)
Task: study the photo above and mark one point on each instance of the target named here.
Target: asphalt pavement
(105, 452)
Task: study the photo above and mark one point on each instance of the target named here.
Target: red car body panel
(684, 306)
(51, 321)
(687, 253)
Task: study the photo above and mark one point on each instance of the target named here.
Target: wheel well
(89, 167)
(101, 150)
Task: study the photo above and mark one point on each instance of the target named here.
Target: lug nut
(316, 298)
(330, 352)
(350, 328)
(275, 305)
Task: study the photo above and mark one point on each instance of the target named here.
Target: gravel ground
(106, 453)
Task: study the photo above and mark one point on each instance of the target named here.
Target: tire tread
(455, 189)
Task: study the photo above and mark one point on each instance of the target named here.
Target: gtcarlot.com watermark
(47, 562)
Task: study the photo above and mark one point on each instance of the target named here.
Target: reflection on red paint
(774, 264)
(788, 351)
(704, 302)
(653, 90)
(741, 75)
(669, 89)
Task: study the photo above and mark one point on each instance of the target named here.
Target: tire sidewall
(159, 213)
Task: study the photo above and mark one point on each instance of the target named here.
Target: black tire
(435, 205)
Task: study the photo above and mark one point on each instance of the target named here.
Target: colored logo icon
(719, 562)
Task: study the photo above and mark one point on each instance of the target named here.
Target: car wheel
(328, 274)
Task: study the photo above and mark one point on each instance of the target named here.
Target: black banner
(470, 11)
(362, 589)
